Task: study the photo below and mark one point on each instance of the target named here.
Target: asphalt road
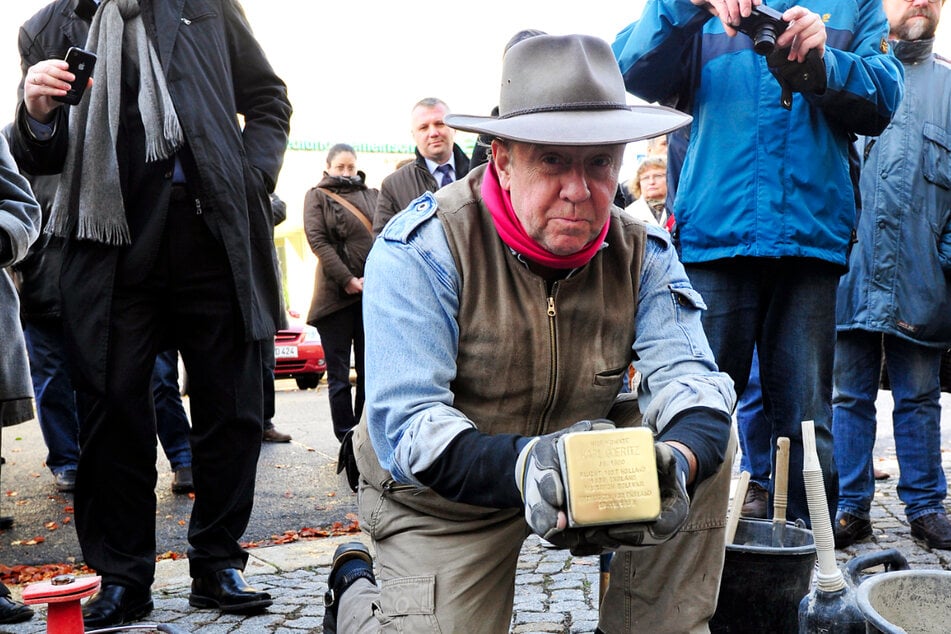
(297, 487)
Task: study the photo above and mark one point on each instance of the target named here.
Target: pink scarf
(499, 203)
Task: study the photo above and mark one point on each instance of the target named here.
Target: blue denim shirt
(412, 334)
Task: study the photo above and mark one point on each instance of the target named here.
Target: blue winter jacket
(759, 180)
(897, 281)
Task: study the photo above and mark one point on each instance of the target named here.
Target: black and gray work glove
(674, 508)
(539, 480)
(544, 496)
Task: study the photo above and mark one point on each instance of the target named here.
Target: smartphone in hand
(81, 63)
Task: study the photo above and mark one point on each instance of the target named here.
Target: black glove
(806, 76)
(538, 477)
(347, 461)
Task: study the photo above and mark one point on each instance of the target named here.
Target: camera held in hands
(763, 26)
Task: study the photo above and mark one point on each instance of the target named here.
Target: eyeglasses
(653, 177)
(929, 1)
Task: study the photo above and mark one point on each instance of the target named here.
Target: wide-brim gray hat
(567, 90)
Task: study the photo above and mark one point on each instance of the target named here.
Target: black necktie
(446, 177)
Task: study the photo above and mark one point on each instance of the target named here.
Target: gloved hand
(538, 477)
(674, 509)
(347, 461)
(808, 76)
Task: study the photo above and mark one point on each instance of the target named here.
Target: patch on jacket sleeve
(405, 223)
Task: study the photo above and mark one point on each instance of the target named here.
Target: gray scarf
(90, 188)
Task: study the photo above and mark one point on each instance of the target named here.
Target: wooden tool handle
(781, 482)
(733, 519)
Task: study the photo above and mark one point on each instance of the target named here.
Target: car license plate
(285, 352)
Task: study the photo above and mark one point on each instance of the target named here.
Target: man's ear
(502, 158)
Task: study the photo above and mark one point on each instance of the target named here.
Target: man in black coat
(439, 161)
(163, 201)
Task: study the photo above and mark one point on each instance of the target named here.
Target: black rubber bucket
(912, 601)
(763, 584)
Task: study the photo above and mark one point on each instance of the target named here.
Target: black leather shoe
(754, 504)
(13, 612)
(850, 529)
(115, 605)
(934, 529)
(228, 591)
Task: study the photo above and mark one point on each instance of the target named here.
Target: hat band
(581, 105)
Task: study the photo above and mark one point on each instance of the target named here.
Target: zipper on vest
(198, 206)
(552, 358)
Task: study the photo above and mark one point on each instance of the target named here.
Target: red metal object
(63, 594)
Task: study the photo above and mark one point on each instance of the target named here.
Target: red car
(298, 354)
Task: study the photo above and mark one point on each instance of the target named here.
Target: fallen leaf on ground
(22, 574)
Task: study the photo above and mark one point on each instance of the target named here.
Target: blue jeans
(785, 308)
(916, 419)
(754, 429)
(170, 420)
(53, 389)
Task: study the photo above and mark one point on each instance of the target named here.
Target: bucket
(763, 584)
(907, 601)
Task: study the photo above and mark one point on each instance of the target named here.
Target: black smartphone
(81, 63)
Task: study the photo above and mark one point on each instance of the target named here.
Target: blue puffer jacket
(759, 180)
(897, 282)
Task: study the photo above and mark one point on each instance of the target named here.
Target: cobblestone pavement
(555, 591)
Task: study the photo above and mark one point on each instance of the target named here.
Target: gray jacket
(897, 281)
(19, 226)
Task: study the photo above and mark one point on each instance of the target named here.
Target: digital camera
(763, 26)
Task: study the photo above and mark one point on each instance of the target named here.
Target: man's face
(433, 137)
(915, 20)
(562, 194)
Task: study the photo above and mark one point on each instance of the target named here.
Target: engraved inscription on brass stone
(610, 476)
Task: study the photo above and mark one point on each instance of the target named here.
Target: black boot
(12, 611)
(352, 561)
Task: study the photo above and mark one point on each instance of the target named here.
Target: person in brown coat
(338, 216)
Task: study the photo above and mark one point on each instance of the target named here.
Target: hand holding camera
(793, 49)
